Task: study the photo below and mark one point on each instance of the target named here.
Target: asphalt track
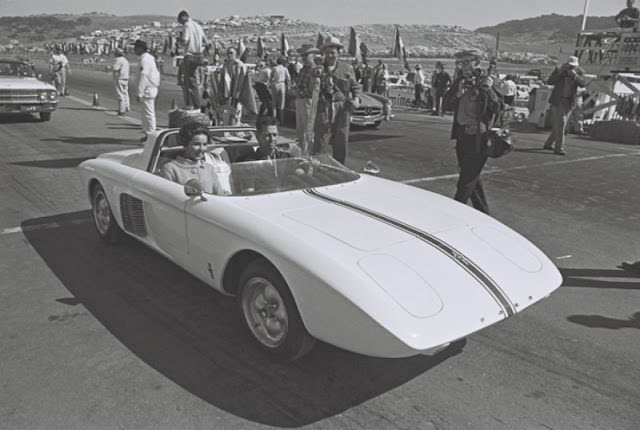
(93, 336)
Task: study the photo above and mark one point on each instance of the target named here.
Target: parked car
(313, 250)
(22, 92)
(373, 110)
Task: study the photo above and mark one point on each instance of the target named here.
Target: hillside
(554, 27)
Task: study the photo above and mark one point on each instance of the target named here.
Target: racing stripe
(473, 269)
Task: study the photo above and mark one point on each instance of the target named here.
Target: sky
(470, 14)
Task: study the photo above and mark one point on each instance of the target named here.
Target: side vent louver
(132, 210)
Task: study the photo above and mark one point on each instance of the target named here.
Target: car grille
(368, 111)
(19, 96)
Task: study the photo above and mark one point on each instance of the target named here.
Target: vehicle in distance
(21, 92)
(313, 250)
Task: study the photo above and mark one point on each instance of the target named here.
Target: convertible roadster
(313, 250)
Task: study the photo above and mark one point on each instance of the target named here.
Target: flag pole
(584, 16)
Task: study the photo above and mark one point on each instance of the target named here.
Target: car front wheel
(270, 313)
(103, 219)
(45, 116)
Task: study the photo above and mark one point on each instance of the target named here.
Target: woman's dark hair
(190, 129)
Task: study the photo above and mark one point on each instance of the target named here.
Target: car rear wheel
(103, 219)
(45, 116)
(270, 313)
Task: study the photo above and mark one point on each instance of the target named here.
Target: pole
(498, 42)
(584, 15)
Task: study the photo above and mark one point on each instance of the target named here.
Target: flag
(261, 51)
(354, 45)
(320, 39)
(284, 45)
(398, 47)
(242, 50)
(404, 58)
(364, 51)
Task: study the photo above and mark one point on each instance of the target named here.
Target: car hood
(19, 83)
(368, 100)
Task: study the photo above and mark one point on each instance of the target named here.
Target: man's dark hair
(142, 44)
(265, 121)
(281, 60)
(183, 14)
(190, 129)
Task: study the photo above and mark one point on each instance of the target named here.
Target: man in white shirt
(194, 43)
(59, 67)
(148, 83)
(121, 78)
(418, 82)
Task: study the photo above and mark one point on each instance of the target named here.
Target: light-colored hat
(331, 42)
(573, 61)
(308, 49)
(418, 66)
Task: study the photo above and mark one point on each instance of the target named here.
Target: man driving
(212, 169)
(267, 135)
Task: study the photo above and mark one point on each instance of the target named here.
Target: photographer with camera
(566, 80)
(476, 105)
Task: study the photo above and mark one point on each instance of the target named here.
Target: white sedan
(21, 92)
(313, 250)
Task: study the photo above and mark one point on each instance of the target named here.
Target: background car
(373, 110)
(22, 92)
(315, 251)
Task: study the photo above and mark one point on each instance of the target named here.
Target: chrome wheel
(265, 312)
(101, 212)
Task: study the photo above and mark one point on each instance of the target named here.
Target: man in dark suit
(339, 96)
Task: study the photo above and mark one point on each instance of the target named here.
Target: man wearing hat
(418, 82)
(59, 66)
(566, 80)
(121, 78)
(440, 81)
(339, 96)
(195, 44)
(148, 83)
(306, 90)
(475, 106)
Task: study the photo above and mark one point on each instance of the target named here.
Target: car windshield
(287, 174)
(11, 68)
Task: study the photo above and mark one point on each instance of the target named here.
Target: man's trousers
(471, 160)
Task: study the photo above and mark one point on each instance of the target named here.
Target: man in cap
(195, 43)
(440, 81)
(566, 80)
(148, 83)
(418, 82)
(59, 67)
(475, 106)
(121, 78)
(307, 90)
(339, 96)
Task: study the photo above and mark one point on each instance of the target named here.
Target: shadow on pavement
(93, 140)
(15, 118)
(53, 164)
(355, 136)
(193, 335)
(599, 321)
(600, 278)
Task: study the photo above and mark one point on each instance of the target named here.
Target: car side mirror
(193, 188)
(370, 168)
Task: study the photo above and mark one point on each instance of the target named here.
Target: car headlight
(42, 96)
(53, 95)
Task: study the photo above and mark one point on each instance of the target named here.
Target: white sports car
(313, 250)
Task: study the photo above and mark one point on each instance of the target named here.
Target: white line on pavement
(509, 169)
(45, 226)
(127, 118)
